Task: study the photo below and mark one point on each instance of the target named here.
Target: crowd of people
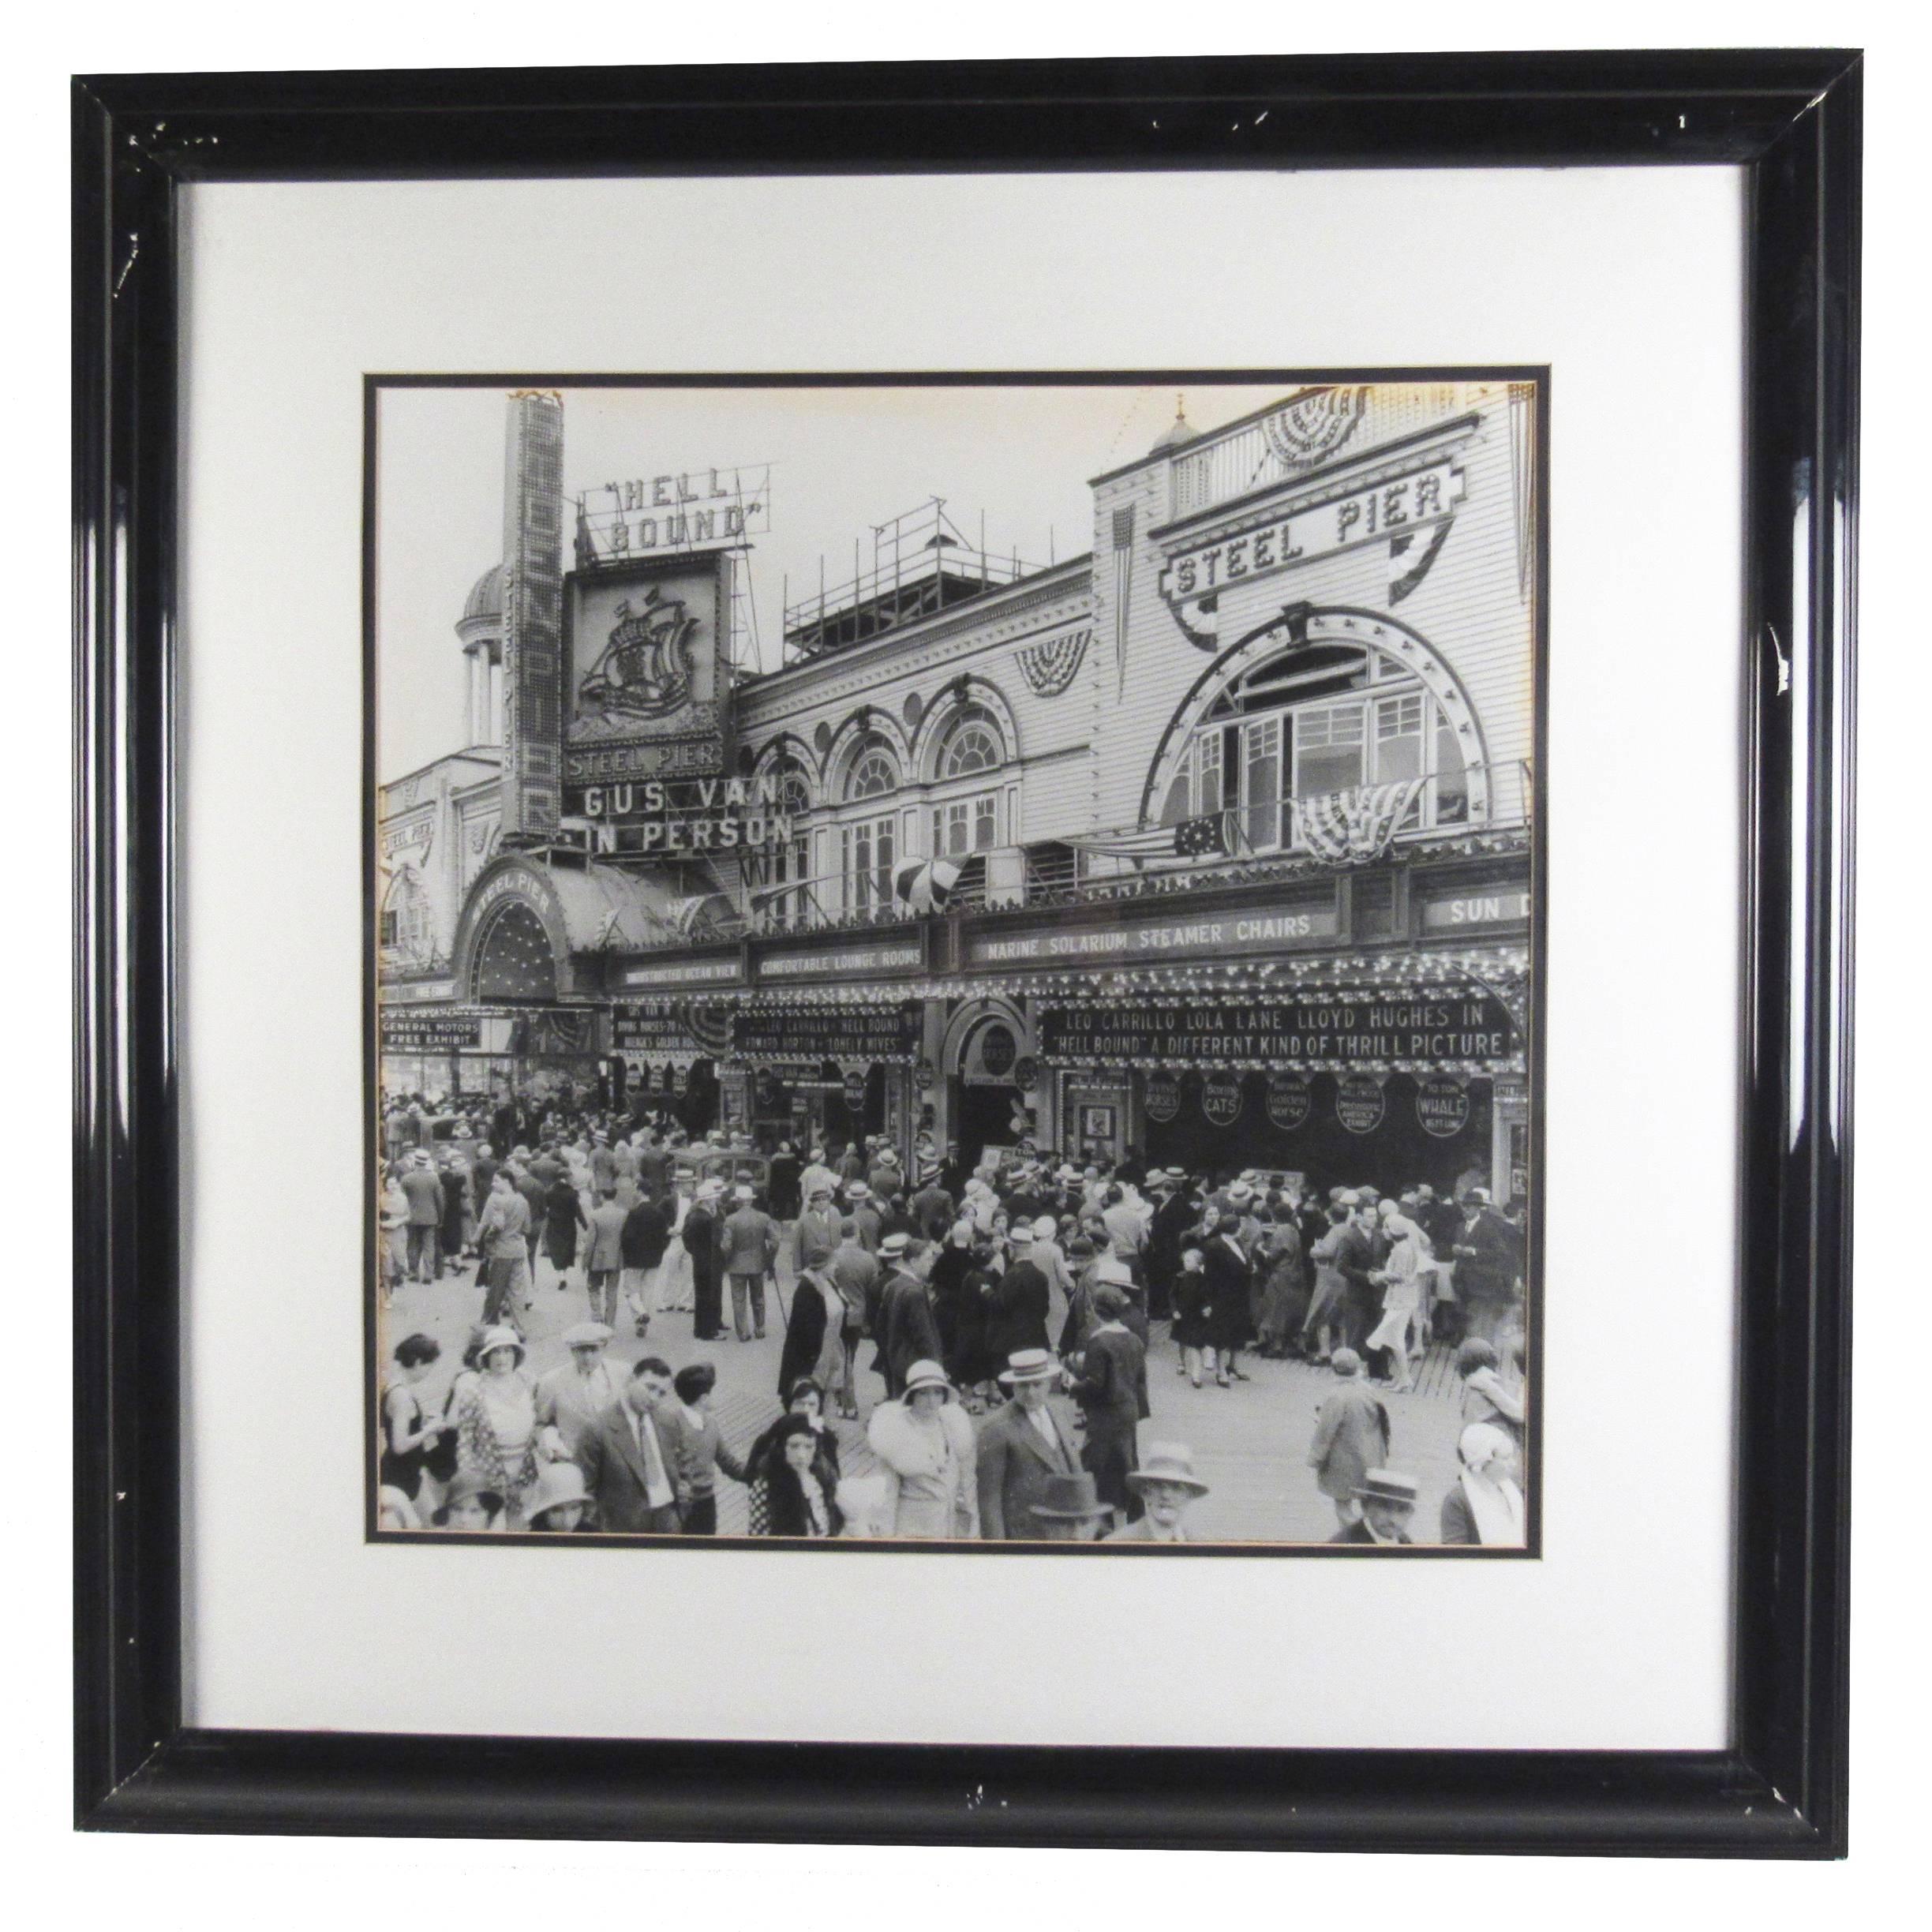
(990, 1329)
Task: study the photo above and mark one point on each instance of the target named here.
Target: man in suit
(747, 1246)
(482, 1172)
(571, 1398)
(1165, 1484)
(1352, 1436)
(815, 1235)
(423, 1187)
(1358, 1256)
(864, 1214)
(536, 1195)
(702, 1223)
(1021, 1298)
(1388, 1500)
(906, 1331)
(1108, 1381)
(603, 1255)
(932, 1209)
(1174, 1213)
(1488, 1259)
(1023, 1447)
(626, 1459)
(856, 1274)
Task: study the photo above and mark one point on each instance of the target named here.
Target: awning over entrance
(520, 907)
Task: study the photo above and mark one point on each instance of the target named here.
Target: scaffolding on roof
(921, 564)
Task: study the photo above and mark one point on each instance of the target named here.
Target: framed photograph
(965, 943)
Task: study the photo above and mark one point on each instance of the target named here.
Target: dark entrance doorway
(985, 1116)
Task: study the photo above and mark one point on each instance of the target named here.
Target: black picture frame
(1791, 119)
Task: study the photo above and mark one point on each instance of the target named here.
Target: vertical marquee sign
(533, 617)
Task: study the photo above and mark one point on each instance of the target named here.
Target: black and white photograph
(953, 958)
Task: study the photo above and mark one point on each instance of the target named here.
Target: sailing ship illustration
(644, 669)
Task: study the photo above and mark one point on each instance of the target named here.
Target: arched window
(868, 846)
(407, 925)
(780, 873)
(873, 772)
(971, 747)
(971, 744)
(1310, 723)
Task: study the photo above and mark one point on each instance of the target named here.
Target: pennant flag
(1123, 580)
(1193, 838)
(1406, 567)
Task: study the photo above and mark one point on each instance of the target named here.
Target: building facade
(1214, 842)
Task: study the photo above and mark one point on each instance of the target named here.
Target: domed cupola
(482, 621)
(1179, 431)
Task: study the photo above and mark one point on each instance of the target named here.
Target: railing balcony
(1136, 861)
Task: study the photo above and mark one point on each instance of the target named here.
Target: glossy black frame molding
(1791, 120)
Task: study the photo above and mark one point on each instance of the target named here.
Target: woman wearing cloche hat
(497, 1420)
(560, 1503)
(927, 1460)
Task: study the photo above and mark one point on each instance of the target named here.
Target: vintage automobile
(730, 1166)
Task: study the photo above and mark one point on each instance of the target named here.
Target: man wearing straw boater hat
(1166, 1484)
(1017, 1319)
(1024, 1447)
(906, 1330)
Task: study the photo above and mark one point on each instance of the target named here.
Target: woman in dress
(806, 1401)
(407, 1435)
(970, 1362)
(1284, 1292)
(496, 1421)
(1401, 1279)
(814, 1345)
(1486, 1504)
(1231, 1275)
(927, 1462)
(948, 1286)
(800, 1502)
(1324, 1323)
(393, 1212)
(564, 1214)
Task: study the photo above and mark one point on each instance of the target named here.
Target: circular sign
(926, 1075)
(855, 1090)
(1026, 1075)
(1289, 1100)
(1163, 1096)
(1442, 1105)
(1221, 1098)
(999, 1052)
(1360, 1103)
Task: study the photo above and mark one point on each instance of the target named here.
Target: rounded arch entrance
(985, 1051)
(511, 957)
